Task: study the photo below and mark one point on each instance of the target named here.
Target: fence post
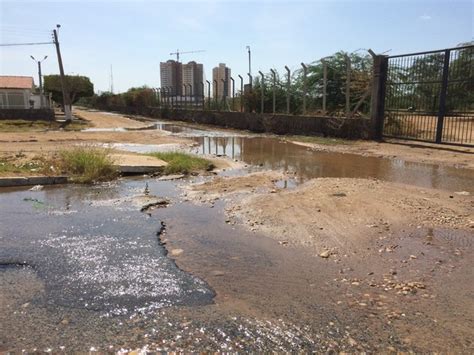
(241, 93)
(273, 89)
(191, 104)
(224, 87)
(215, 91)
(348, 86)
(305, 74)
(288, 83)
(262, 92)
(208, 94)
(442, 97)
(325, 84)
(233, 93)
(377, 104)
(202, 95)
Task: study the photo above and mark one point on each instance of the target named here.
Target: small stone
(65, 321)
(413, 257)
(176, 252)
(325, 254)
(217, 273)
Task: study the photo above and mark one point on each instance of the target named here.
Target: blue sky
(134, 36)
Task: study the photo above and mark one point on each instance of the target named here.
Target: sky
(135, 36)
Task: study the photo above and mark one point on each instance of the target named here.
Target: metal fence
(332, 86)
(429, 96)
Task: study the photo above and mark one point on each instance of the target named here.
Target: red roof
(16, 82)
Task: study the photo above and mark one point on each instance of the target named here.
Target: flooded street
(82, 268)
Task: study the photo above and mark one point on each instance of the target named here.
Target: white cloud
(425, 17)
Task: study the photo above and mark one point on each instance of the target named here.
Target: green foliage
(87, 164)
(134, 97)
(77, 87)
(182, 163)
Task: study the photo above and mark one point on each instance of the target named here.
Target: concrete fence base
(43, 114)
(353, 128)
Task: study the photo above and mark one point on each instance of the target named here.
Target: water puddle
(269, 152)
(99, 257)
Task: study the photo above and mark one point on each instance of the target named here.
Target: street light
(40, 77)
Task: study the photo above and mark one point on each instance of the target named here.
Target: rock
(217, 273)
(283, 242)
(325, 254)
(176, 252)
(65, 321)
(37, 188)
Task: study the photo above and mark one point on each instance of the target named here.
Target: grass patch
(9, 168)
(319, 140)
(31, 126)
(182, 163)
(87, 164)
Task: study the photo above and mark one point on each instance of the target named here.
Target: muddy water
(271, 152)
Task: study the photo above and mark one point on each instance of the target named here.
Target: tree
(77, 86)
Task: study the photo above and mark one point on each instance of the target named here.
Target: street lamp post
(40, 78)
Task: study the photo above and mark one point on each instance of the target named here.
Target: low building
(16, 92)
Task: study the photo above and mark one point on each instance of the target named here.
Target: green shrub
(182, 163)
(87, 164)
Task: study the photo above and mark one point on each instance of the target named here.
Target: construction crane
(177, 53)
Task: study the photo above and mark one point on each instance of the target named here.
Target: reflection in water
(273, 153)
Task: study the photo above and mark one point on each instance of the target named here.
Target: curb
(32, 180)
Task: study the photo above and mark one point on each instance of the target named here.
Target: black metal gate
(429, 96)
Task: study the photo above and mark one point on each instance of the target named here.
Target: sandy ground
(33, 144)
(406, 150)
(402, 253)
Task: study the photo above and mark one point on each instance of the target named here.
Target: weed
(182, 163)
(87, 164)
(29, 126)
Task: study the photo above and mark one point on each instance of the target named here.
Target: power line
(23, 44)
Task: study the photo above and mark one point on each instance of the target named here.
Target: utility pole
(66, 100)
(40, 78)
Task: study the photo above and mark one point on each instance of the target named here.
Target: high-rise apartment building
(175, 75)
(171, 74)
(219, 74)
(193, 75)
